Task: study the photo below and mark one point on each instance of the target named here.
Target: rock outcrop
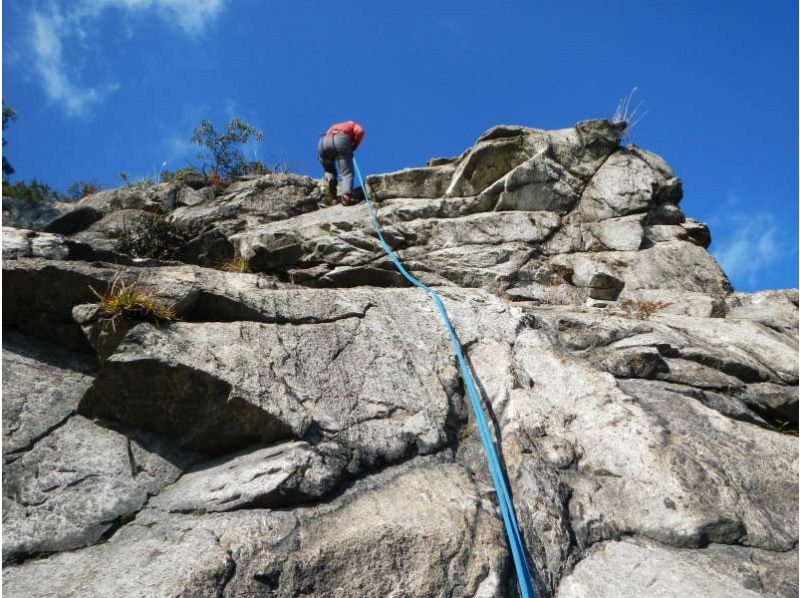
(301, 429)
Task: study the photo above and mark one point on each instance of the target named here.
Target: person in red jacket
(335, 150)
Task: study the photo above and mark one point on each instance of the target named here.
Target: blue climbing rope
(503, 495)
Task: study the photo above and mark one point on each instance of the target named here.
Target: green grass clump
(122, 300)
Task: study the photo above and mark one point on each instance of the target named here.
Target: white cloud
(63, 22)
(179, 150)
(52, 71)
(750, 245)
(192, 16)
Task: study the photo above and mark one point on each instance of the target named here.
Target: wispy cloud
(192, 16)
(52, 71)
(57, 23)
(748, 241)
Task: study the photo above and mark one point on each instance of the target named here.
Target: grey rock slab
(198, 294)
(428, 182)
(698, 232)
(42, 386)
(20, 213)
(547, 294)
(153, 381)
(541, 497)
(380, 383)
(158, 559)
(133, 197)
(279, 475)
(724, 402)
(575, 329)
(776, 309)
(103, 233)
(582, 149)
(687, 339)
(774, 400)
(579, 150)
(74, 220)
(605, 287)
(48, 314)
(634, 362)
(27, 243)
(655, 463)
(687, 230)
(456, 248)
(683, 371)
(417, 530)
(491, 267)
(192, 197)
(640, 568)
(629, 181)
(480, 229)
(75, 483)
(685, 303)
(247, 204)
(420, 531)
(773, 351)
(405, 209)
(308, 240)
(618, 234)
(540, 183)
(675, 265)
(623, 185)
(665, 213)
(488, 161)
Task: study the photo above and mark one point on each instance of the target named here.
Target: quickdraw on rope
(503, 495)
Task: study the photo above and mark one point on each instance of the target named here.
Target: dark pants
(337, 151)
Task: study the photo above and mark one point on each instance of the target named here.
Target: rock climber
(335, 150)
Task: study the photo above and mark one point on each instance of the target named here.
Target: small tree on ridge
(221, 149)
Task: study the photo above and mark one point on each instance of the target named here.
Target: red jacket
(350, 128)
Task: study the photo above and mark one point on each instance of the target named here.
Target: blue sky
(109, 86)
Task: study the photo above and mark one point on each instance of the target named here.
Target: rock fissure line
(15, 454)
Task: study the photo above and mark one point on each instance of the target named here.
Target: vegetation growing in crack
(123, 300)
(641, 309)
(151, 237)
(238, 264)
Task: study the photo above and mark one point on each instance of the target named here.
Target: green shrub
(220, 151)
(33, 192)
(168, 176)
(9, 114)
(81, 189)
(153, 237)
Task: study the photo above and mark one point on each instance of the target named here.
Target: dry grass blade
(624, 113)
(128, 300)
(236, 264)
(641, 309)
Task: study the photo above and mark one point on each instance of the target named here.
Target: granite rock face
(302, 429)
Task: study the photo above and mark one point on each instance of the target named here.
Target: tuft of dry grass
(641, 309)
(123, 300)
(215, 180)
(236, 264)
(625, 114)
